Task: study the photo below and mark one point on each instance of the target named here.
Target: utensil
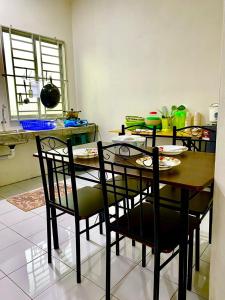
(50, 95)
(20, 99)
(26, 100)
(30, 92)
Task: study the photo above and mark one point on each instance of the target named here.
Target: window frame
(37, 71)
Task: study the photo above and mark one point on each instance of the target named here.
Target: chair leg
(78, 260)
(190, 261)
(156, 275)
(132, 206)
(108, 266)
(210, 224)
(100, 225)
(117, 244)
(49, 243)
(87, 230)
(54, 228)
(197, 248)
(143, 256)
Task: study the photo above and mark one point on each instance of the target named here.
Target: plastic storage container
(153, 120)
(179, 118)
(38, 124)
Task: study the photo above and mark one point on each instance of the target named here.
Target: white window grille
(30, 60)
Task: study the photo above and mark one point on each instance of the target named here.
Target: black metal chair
(202, 203)
(58, 172)
(150, 224)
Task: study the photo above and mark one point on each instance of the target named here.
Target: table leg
(183, 245)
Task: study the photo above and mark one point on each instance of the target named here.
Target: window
(30, 61)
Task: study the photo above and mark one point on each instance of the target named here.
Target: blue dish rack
(38, 124)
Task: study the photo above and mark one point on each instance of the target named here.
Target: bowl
(137, 141)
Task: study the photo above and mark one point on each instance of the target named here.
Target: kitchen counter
(20, 136)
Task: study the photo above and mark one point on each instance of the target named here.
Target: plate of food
(85, 153)
(172, 149)
(165, 163)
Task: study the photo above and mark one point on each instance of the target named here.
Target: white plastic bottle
(197, 119)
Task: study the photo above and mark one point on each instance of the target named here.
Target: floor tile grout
(136, 263)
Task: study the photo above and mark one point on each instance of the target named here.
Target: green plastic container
(179, 118)
(153, 120)
(134, 124)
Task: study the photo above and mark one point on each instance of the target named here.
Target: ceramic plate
(165, 163)
(85, 153)
(172, 149)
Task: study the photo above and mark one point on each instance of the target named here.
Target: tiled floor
(25, 273)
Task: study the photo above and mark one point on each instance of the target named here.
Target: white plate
(172, 149)
(165, 163)
(85, 153)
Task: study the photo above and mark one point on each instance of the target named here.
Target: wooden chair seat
(90, 201)
(198, 205)
(169, 226)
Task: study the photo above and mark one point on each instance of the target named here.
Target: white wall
(132, 56)
(51, 18)
(217, 264)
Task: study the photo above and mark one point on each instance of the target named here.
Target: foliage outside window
(30, 60)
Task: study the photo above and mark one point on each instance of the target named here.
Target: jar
(153, 120)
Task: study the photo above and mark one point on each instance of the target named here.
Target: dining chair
(202, 203)
(148, 223)
(58, 173)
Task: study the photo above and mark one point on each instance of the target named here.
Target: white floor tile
(40, 238)
(30, 226)
(38, 275)
(68, 289)
(10, 291)
(98, 238)
(170, 271)
(5, 207)
(138, 284)
(67, 251)
(200, 282)
(15, 216)
(67, 221)
(17, 255)
(204, 227)
(190, 296)
(206, 254)
(39, 210)
(8, 237)
(94, 268)
(2, 226)
(132, 252)
(2, 275)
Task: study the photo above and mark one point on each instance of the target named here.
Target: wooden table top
(195, 172)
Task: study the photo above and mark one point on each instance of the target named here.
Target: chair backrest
(58, 173)
(151, 136)
(116, 164)
(196, 138)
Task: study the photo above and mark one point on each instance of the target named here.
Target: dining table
(193, 174)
